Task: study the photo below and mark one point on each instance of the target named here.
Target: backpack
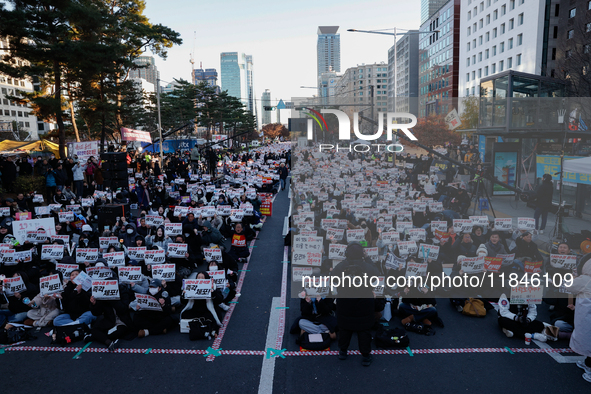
(201, 328)
(64, 335)
(392, 338)
(474, 307)
(304, 342)
(14, 335)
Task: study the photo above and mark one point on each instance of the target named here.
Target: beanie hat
(354, 251)
(482, 250)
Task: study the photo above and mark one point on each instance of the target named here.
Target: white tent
(362, 142)
(580, 166)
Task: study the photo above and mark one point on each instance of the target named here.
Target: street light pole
(159, 122)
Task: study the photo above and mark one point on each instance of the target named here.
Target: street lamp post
(159, 121)
(395, 34)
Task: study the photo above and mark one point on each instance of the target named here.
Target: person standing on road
(580, 341)
(283, 173)
(543, 196)
(355, 305)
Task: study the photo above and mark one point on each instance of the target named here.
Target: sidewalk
(508, 207)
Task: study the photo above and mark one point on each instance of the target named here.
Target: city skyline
(277, 48)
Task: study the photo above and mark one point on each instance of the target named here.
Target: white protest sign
(473, 265)
(65, 238)
(236, 215)
(299, 272)
(390, 237)
(219, 278)
(38, 198)
(407, 247)
(86, 255)
(394, 262)
(372, 253)
(5, 211)
(105, 289)
(99, 272)
(50, 284)
(20, 228)
(164, 272)
(137, 252)
(172, 229)
(66, 216)
(462, 225)
(417, 234)
(7, 257)
(25, 256)
(528, 224)
(130, 274)
(155, 256)
(337, 251)
(503, 224)
(14, 285)
(177, 250)
(66, 269)
(526, 295)
(212, 254)
(403, 226)
(563, 261)
(83, 279)
(439, 225)
(507, 258)
(197, 288)
(357, 235)
(325, 224)
(416, 269)
(42, 210)
(428, 251)
(479, 220)
(306, 258)
(154, 220)
(105, 242)
(379, 288)
(87, 202)
(147, 302)
(115, 259)
(52, 252)
(337, 234)
(36, 236)
(224, 210)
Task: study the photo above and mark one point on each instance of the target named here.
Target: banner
(135, 135)
(20, 228)
(84, 150)
(551, 165)
(105, 289)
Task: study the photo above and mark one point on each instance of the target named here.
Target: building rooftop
(328, 29)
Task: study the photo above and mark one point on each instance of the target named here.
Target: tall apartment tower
(148, 71)
(428, 8)
(250, 85)
(266, 102)
(328, 50)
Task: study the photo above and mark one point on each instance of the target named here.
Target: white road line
(268, 369)
(559, 358)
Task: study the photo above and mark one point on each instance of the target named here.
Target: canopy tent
(16, 147)
(579, 166)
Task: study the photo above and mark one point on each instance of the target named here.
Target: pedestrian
(283, 173)
(355, 306)
(543, 198)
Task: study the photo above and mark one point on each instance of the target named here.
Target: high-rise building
(500, 36)
(403, 78)
(363, 86)
(569, 45)
(328, 50)
(22, 114)
(250, 85)
(266, 102)
(208, 75)
(236, 75)
(438, 60)
(327, 83)
(148, 71)
(429, 7)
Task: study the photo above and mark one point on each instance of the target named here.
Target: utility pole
(159, 122)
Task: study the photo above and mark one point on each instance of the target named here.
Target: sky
(281, 36)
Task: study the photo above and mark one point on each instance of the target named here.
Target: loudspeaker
(108, 214)
(115, 166)
(114, 157)
(115, 174)
(114, 184)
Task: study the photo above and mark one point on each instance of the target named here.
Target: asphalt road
(56, 371)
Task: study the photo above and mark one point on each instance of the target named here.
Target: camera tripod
(480, 186)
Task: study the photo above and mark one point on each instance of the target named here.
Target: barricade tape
(285, 353)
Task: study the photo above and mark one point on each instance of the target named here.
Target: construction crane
(192, 59)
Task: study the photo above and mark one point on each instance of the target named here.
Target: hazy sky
(281, 36)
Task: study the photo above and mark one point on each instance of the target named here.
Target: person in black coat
(8, 170)
(543, 196)
(355, 306)
(75, 302)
